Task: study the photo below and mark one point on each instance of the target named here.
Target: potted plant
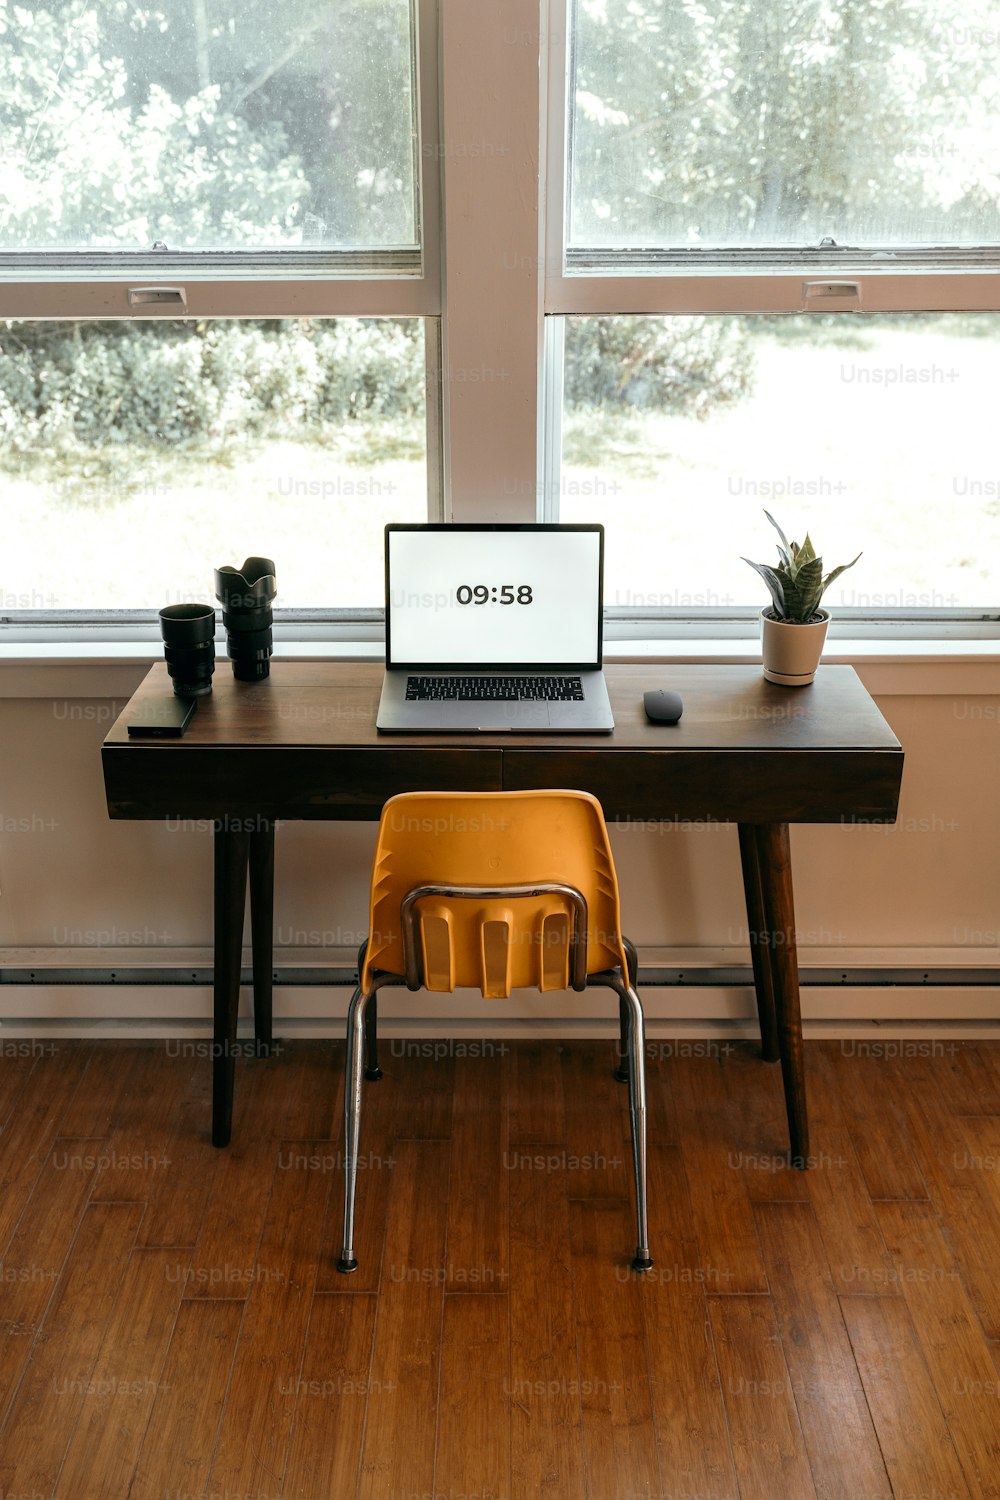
(793, 628)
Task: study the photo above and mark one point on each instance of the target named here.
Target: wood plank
(977, 1154)
(224, 1258)
(688, 1414)
(750, 1091)
(951, 1340)
(178, 1444)
(673, 1236)
(44, 1413)
(546, 1414)
(257, 1420)
(536, 1114)
(768, 1447)
(969, 1084)
(402, 1406)
(300, 1089)
(925, 1318)
(29, 1133)
(713, 1145)
(331, 1398)
(95, 1104)
(135, 1157)
(478, 1192)
(855, 1249)
(33, 1260)
(959, 1190)
(426, 1071)
(103, 1455)
(860, 1075)
(840, 1440)
(916, 1445)
(19, 1055)
(597, 1158)
(473, 1436)
(613, 1377)
(689, 1417)
(177, 1198)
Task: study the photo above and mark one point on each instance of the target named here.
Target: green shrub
(685, 365)
(177, 384)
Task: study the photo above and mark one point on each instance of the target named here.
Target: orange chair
(494, 891)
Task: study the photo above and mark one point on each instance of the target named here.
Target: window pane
(139, 457)
(741, 123)
(872, 433)
(206, 125)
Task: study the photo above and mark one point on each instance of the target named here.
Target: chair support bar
(577, 936)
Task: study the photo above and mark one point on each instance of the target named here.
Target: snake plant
(797, 583)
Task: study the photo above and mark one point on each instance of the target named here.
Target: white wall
(77, 888)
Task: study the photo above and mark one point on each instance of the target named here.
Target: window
(877, 430)
(215, 285)
(660, 266)
(774, 284)
(142, 455)
(731, 124)
(208, 126)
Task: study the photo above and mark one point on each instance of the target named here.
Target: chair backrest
(493, 839)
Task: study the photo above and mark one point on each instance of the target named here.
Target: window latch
(831, 296)
(157, 296)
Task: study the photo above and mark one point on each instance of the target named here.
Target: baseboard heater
(345, 978)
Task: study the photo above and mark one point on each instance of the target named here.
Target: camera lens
(246, 594)
(188, 632)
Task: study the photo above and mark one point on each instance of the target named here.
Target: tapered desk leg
(232, 851)
(775, 864)
(761, 947)
(262, 933)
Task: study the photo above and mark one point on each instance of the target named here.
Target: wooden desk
(303, 744)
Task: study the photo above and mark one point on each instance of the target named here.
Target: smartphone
(163, 718)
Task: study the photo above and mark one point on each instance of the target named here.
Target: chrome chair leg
(372, 1070)
(352, 1122)
(642, 1261)
(621, 1072)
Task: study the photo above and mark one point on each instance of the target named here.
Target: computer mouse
(662, 706)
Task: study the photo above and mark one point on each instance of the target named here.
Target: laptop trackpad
(515, 716)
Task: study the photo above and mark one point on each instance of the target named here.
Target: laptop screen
(493, 596)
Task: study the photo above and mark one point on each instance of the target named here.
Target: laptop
(494, 628)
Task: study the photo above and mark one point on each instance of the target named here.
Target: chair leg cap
(642, 1262)
(621, 1073)
(374, 1074)
(345, 1267)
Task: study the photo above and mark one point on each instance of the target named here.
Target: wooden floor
(173, 1326)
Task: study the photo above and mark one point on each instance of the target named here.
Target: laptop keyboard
(495, 689)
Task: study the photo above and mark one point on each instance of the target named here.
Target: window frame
(493, 282)
(658, 282)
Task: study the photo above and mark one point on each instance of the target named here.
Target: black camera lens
(246, 594)
(188, 632)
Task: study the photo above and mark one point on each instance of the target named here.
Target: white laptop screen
(494, 596)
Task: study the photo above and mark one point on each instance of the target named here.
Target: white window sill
(896, 666)
(679, 649)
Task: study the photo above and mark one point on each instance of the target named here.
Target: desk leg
(761, 949)
(232, 851)
(262, 933)
(775, 864)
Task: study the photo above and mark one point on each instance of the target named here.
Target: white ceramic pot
(792, 652)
